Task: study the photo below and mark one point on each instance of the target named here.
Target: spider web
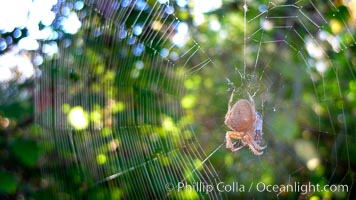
(114, 117)
(111, 113)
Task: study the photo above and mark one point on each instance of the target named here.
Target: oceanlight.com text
(256, 187)
(300, 188)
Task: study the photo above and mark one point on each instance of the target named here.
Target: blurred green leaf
(8, 182)
(26, 151)
(17, 109)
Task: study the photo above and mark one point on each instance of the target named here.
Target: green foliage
(8, 182)
(26, 151)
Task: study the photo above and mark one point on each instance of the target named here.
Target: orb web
(113, 105)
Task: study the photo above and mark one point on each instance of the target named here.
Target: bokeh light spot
(101, 159)
(78, 118)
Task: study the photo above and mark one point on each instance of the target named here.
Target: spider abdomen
(241, 117)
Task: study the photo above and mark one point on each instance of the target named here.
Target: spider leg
(230, 101)
(252, 144)
(237, 148)
(251, 97)
(229, 144)
(252, 102)
(257, 146)
(245, 139)
(233, 144)
(234, 135)
(229, 105)
(256, 152)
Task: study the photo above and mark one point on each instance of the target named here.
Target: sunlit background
(31, 21)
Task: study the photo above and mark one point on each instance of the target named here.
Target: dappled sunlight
(15, 66)
(186, 193)
(351, 6)
(101, 159)
(28, 14)
(182, 34)
(314, 49)
(113, 145)
(78, 118)
(71, 24)
(4, 122)
(336, 26)
(101, 119)
(96, 118)
(308, 153)
(188, 101)
(318, 109)
(112, 107)
(203, 6)
(266, 24)
(168, 125)
(313, 163)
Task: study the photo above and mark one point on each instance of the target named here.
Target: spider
(246, 125)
